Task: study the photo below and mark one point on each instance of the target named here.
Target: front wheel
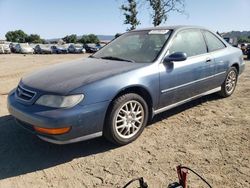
(228, 86)
(126, 119)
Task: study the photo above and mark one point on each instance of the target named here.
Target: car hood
(65, 77)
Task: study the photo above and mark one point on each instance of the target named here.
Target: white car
(4, 49)
(24, 48)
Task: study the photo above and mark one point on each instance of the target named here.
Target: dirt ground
(210, 135)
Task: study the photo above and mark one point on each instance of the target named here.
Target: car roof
(176, 27)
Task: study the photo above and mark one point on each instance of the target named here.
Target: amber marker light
(52, 131)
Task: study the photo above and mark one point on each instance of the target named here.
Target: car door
(185, 79)
(220, 57)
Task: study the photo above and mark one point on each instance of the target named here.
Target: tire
(126, 119)
(229, 85)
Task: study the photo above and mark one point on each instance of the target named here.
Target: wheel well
(138, 90)
(236, 66)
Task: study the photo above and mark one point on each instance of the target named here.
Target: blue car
(117, 90)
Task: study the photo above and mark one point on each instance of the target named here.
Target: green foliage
(70, 38)
(159, 14)
(161, 9)
(244, 39)
(34, 38)
(16, 36)
(22, 37)
(130, 13)
(91, 38)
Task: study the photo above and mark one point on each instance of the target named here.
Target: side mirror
(177, 56)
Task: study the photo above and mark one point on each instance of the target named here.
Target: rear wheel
(127, 119)
(228, 86)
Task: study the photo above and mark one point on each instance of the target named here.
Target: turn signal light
(53, 131)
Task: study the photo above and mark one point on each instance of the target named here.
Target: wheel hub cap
(129, 119)
(231, 81)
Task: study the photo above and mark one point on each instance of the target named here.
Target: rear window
(213, 42)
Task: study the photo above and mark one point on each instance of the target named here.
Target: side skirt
(185, 101)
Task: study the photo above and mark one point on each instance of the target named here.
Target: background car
(12, 46)
(248, 51)
(4, 49)
(91, 47)
(59, 49)
(232, 40)
(24, 48)
(43, 49)
(243, 47)
(76, 48)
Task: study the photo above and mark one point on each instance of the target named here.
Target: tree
(70, 38)
(91, 38)
(243, 39)
(16, 36)
(34, 38)
(130, 13)
(161, 9)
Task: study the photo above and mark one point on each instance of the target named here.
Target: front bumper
(86, 122)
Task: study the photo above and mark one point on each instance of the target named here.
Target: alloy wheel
(129, 119)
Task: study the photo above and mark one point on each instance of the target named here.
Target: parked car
(59, 49)
(43, 49)
(116, 91)
(91, 47)
(24, 48)
(76, 48)
(4, 49)
(248, 51)
(232, 40)
(12, 46)
(243, 47)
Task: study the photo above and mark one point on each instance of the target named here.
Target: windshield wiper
(117, 58)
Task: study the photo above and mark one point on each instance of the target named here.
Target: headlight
(57, 101)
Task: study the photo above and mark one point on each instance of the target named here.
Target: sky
(58, 18)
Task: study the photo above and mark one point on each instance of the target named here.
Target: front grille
(25, 94)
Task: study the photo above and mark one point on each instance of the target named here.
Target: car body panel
(65, 77)
(180, 80)
(78, 118)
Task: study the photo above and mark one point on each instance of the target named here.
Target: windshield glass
(138, 46)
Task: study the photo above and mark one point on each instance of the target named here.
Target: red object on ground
(182, 175)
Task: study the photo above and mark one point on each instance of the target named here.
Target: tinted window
(213, 42)
(189, 41)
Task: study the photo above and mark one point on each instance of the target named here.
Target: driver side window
(190, 42)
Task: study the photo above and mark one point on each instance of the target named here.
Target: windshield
(138, 46)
